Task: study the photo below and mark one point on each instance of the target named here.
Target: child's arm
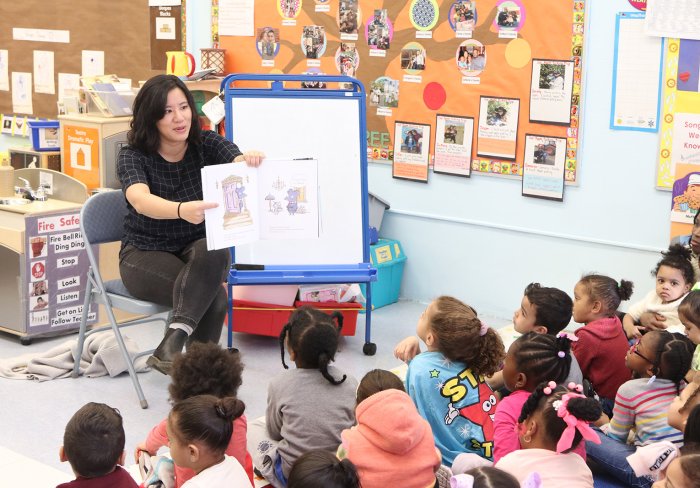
(156, 438)
(407, 349)
(623, 417)
(631, 330)
(496, 381)
(273, 416)
(505, 435)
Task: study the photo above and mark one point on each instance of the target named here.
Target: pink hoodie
(392, 445)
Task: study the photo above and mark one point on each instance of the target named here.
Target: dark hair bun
(678, 251)
(229, 408)
(625, 289)
(584, 408)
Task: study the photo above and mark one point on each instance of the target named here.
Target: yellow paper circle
(518, 53)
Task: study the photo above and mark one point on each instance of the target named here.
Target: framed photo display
(550, 91)
(497, 135)
(453, 144)
(543, 167)
(411, 151)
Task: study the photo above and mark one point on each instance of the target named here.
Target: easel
(281, 122)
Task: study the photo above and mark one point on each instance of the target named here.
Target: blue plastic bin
(388, 257)
(44, 135)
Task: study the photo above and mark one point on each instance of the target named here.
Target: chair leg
(127, 358)
(83, 326)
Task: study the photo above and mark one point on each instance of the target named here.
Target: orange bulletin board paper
(549, 29)
(82, 151)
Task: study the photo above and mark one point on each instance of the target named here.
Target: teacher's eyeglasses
(634, 350)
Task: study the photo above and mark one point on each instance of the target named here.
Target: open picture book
(277, 200)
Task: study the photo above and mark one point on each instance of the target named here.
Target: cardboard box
(388, 257)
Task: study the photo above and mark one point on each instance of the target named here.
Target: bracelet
(178, 210)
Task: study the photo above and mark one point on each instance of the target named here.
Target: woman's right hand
(193, 212)
(407, 349)
(652, 321)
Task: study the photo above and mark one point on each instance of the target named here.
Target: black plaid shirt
(177, 182)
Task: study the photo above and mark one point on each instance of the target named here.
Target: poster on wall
(543, 167)
(411, 151)
(453, 144)
(498, 127)
(686, 194)
(550, 91)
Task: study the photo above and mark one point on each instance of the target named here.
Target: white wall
(478, 258)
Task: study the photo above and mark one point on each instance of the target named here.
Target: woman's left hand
(253, 158)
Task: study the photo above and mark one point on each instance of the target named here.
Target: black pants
(189, 281)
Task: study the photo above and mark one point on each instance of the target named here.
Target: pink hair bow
(572, 424)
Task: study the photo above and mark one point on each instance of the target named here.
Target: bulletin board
(120, 29)
(548, 29)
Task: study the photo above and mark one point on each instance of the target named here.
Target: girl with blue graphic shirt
(447, 381)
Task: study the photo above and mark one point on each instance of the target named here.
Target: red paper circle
(639, 4)
(434, 95)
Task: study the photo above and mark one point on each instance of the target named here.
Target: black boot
(169, 347)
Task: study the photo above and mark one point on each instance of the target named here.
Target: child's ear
(540, 329)
(62, 455)
(597, 306)
(429, 339)
(122, 458)
(687, 287)
(193, 452)
(520, 380)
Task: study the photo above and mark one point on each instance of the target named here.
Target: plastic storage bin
(348, 309)
(44, 135)
(388, 257)
(377, 207)
(259, 318)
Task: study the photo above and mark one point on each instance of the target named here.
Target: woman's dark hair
(690, 307)
(313, 336)
(375, 381)
(457, 330)
(607, 291)
(677, 257)
(206, 419)
(543, 357)
(671, 357)
(205, 369)
(490, 477)
(149, 108)
(691, 433)
(321, 469)
(583, 408)
(552, 307)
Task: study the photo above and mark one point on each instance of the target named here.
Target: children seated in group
(531, 359)
(683, 471)
(199, 431)
(689, 315)
(313, 390)
(553, 421)
(322, 469)
(659, 362)
(205, 369)
(602, 343)
(485, 477)
(674, 278)
(93, 444)
(391, 445)
(447, 382)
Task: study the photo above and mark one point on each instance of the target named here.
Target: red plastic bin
(348, 309)
(260, 318)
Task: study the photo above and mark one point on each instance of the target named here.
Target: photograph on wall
(348, 19)
(268, 42)
(686, 193)
(289, 9)
(453, 144)
(347, 59)
(313, 41)
(7, 123)
(379, 30)
(543, 167)
(462, 16)
(498, 127)
(411, 151)
(550, 91)
(471, 58)
(424, 14)
(384, 92)
(510, 17)
(413, 58)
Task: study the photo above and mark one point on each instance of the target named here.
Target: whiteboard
(328, 130)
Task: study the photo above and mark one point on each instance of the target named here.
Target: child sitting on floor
(531, 359)
(447, 382)
(659, 362)
(308, 406)
(93, 444)
(674, 277)
(321, 469)
(205, 369)
(554, 420)
(689, 315)
(602, 343)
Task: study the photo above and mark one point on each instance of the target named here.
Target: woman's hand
(193, 212)
(407, 349)
(251, 158)
(139, 449)
(652, 321)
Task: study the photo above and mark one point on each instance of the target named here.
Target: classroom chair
(102, 221)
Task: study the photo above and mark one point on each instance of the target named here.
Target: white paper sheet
(68, 84)
(673, 18)
(22, 93)
(93, 63)
(236, 17)
(43, 72)
(638, 66)
(40, 35)
(4, 70)
(164, 3)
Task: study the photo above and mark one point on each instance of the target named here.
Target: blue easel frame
(307, 274)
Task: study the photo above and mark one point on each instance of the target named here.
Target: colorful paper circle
(424, 14)
(289, 9)
(518, 53)
(434, 95)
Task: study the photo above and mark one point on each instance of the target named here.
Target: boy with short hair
(93, 444)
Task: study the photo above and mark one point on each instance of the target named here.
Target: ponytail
(321, 469)
(207, 419)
